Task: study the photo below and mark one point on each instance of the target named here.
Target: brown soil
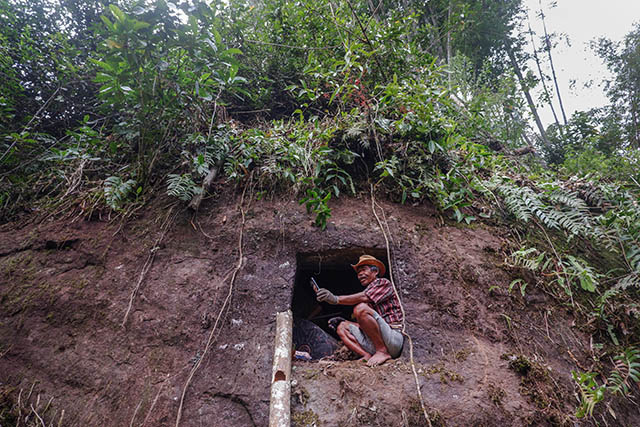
(64, 290)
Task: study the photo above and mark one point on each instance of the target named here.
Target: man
(375, 335)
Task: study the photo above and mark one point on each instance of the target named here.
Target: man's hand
(334, 322)
(325, 295)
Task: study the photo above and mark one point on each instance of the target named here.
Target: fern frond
(603, 301)
(116, 191)
(568, 198)
(590, 392)
(182, 187)
(586, 275)
(626, 368)
(631, 280)
(530, 259)
(555, 208)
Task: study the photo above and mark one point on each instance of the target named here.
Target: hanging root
(214, 329)
(147, 265)
(387, 235)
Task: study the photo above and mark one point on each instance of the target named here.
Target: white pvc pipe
(280, 406)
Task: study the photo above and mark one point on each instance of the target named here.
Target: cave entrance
(332, 270)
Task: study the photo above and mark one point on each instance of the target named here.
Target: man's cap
(370, 260)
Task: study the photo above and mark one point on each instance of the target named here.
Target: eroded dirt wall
(64, 290)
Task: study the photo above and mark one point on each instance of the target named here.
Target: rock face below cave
(65, 288)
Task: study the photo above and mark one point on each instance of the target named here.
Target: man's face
(366, 275)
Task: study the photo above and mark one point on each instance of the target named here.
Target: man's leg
(349, 340)
(369, 325)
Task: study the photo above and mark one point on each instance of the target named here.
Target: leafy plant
(632, 279)
(317, 203)
(116, 191)
(530, 259)
(182, 187)
(577, 269)
(590, 392)
(520, 283)
(625, 371)
(553, 207)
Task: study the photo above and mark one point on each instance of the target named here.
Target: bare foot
(378, 358)
(365, 358)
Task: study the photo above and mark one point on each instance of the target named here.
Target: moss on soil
(306, 418)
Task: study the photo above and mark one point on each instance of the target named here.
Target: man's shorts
(392, 338)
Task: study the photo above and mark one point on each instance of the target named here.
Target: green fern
(590, 392)
(603, 302)
(182, 187)
(569, 199)
(555, 208)
(587, 191)
(116, 191)
(530, 259)
(632, 279)
(626, 369)
(201, 163)
(628, 281)
(578, 269)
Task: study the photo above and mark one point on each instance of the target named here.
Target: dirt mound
(65, 288)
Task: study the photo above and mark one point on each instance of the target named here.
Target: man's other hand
(334, 322)
(325, 295)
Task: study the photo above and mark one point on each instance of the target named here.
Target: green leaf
(139, 25)
(232, 72)
(231, 52)
(119, 15)
(217, 36)
(193, 23)
(102, 64)
(107, 22)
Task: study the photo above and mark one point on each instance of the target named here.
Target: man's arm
(324, 295)
(353, 299)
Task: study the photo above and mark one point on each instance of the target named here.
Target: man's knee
(361, 310)
(341, 330)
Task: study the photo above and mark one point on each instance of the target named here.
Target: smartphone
(314, 285)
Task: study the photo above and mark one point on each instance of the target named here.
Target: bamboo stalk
(280, 406)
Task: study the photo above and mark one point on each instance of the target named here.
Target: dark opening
(332, 270)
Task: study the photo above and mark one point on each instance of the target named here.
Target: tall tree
(547, 48)
(623, 60)
(527, 94)
(543, 80)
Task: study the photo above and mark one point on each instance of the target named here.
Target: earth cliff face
(483, 356)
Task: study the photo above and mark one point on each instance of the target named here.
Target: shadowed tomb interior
(332, 270)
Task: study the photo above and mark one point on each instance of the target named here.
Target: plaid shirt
(384, 301)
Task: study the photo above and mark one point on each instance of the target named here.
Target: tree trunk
(523, 85)
(541, 74)
(435, 34)
(553, 70)
(449, 43)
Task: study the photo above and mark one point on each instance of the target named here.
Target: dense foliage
(103, 106)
